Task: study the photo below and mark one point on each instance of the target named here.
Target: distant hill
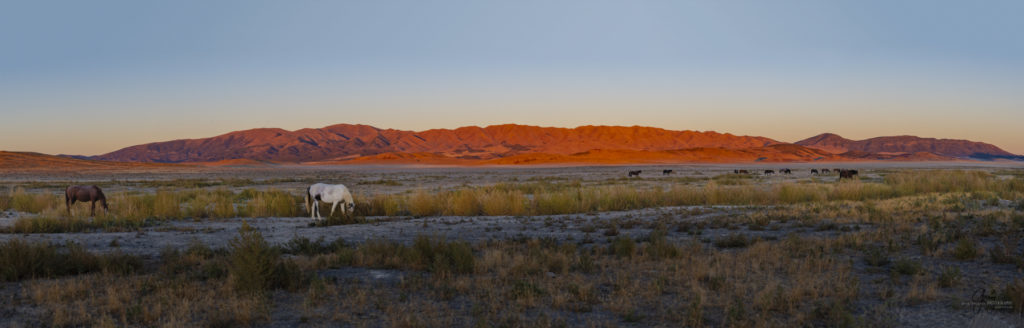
(345, 141)
(512, 144)
(901, 145)
(27, 161)
(773, 153)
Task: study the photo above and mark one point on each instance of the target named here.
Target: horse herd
(843, 173)
(335, 195)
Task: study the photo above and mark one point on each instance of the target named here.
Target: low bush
(256, 267)
(735, 240)
(966, 249)
(21, 260)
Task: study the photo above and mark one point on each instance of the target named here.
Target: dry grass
(26, 260)
(22, 201)
(540, 198)
(5, 201)
(132, 210)
(143, 300)
(426, 254)
(270, 203)
(918, 245)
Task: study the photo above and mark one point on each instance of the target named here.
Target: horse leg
(316, 209)
(92, 212)
(333, 205)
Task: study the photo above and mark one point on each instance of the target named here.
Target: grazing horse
(633, 174)
(786, 171)
(769, 172)
(666, 172)
(334, 194)
(814, 171)
(741, 171)
(90, 194)
(825, 171)
(847, 174)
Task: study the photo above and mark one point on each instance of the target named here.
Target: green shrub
(949, 277)
(20, 260)
(735, 240)
(427, 254)
(966, 249)
(907, 267)
(303, 246)
(253, 261)
(1014, 292)
(659, 247)
(929, 243)
(622, 246)
(442, 257)
(876, 256)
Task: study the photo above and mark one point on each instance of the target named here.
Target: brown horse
(90, 194)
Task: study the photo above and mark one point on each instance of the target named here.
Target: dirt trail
(179, 234)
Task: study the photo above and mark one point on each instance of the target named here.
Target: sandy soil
(582, 228)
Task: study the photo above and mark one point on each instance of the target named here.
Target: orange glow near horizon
(90, 79)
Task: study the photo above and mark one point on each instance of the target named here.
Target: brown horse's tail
(67, 199)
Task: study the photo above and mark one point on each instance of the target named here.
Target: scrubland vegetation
(796, 253)
(132, 210)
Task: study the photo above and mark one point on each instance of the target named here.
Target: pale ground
(216, 233)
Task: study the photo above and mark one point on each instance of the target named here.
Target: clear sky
(89, 77)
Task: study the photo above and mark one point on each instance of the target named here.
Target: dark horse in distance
(90, 194)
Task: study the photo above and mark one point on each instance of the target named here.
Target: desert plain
(901, 244)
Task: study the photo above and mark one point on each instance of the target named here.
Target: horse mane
(100, 196)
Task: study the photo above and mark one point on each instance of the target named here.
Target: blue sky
(130, 72)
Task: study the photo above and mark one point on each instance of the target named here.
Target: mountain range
(907, 144)
(522, 144)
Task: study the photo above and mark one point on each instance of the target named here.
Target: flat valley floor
(901, 245)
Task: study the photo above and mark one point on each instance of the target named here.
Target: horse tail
(305, 200)
(67, 199)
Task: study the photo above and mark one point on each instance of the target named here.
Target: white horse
(334, 194)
